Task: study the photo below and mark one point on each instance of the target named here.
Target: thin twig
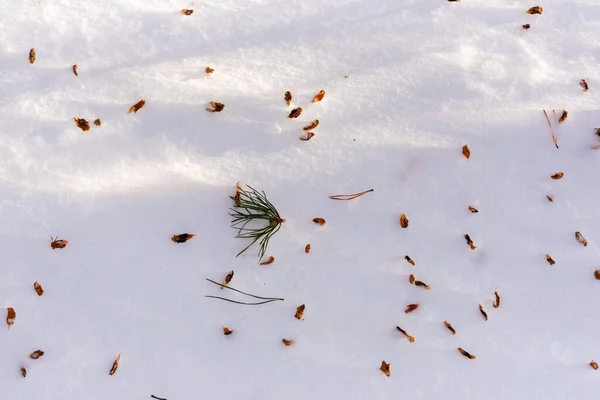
(349, 196)
(241, 302)
(239, 291)
(554, 139)
(157, 398)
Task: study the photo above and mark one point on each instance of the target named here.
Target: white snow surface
(423, 79)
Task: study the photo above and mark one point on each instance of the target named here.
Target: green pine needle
(252, 205)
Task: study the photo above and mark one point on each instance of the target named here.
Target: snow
(423, 79)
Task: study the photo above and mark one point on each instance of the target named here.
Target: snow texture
(408, 83)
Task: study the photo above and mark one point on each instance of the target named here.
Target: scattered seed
(466, 152)
(470, 242)
(466, 354)
(300, 311)
(594, 364)
(75, 69)
(228, 279)
(115, 365)
(597, 131)
(497, 300)
(473, 209)
(580, 238)
(134, 108)
(185, 11)
(403, 221)
(550, 260)
(411, 279)
(209, 70)
(422, 284)
(287, 342)
(409, 260)
(10, 316)
(82, 124)
(307, 248)
(288, 97)
(268, 261)
(23, 372)
(450, 328)
(411, 339)
(38, 288)
(318, 97)
(58, 244)
(535, 10)
(227, 331)
(526, 26)
(295, 113)
(309, 135)
(584, 85)
(31, 56)
(557, 176)
(97, 122)
(597, 274)
(36, 354)
(182, 238)
(385, 367)
(411, 307)
(550, 199)
(313, 124)
(319, 221)
(483, 312)
(563, 116)
(216, 107)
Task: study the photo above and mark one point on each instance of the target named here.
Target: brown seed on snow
(535, 10)
(288, 97)
(295, 113)
(409, 260)
(550, 199)
(422, 284)
(526, 26)
(466, 354)
(228, 279)
(385, 368)
(497, 299)
(584, 85)
(309, 135)
(75, 69)
(313, 124)
(411, 339)
(58, 244)
(403, 221)
(473, 210)
(227, 331)
(31, 56)
(470, 242)
(318, 97)
(134, 108)
(287, 342)
(319, 221)
(466, 152)
(411, 279)
(185, 11)
(300, 311)
(10, 316)
(450, 328)
(581, 239)
(115, 365)
(216, 107)
(36, 354)
(550, 260)
(23, 372)
(97, 122)
(557, 176)
(307, 248)
(594, 364)
(209, 70)
(597, 274)
(38, 288)
(563, 116)
(182, 238)
(82, 124)
(482, 311)
(411, 307)
(268, 261)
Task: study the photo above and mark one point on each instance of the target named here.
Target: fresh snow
(424, 78)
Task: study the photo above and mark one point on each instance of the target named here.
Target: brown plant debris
(287, 342)
(411, 307)
(563, 116)
(295, 113)
(307, 248)
(23, 372)
(535, 10)
(97, 122)
(36, 354)
(313, 124)
(411, 339)
(115, 365)
(318, 97)
(482, 311)
(135, 108)
(157, 398)
(466, 152)
(287, 96)
(554, 139)
(185, 11)
(496, 303)
(597, 130)
(209, 70)
(55, 243)
(409, 260)
(300, 311)
(580, 238)
(411, 279)
(216, 107)
(75, 69)
(319, 221)
(268, 261)
(557, 176)
(403, 221)
(226, 331)
(526, 26)
(385, 368)
(349, 196)
(473, 210)
(228, 279)
(10, 316)
(594, 364)
(31, 56)
(466, 354)
(450, 328)
(470, 242)
(38, 288)
(597, 274)
(584, 85)
(238, 193)
(82, 124)
(550, 199)
(309, 135)
(182, 237)
(550, 260)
